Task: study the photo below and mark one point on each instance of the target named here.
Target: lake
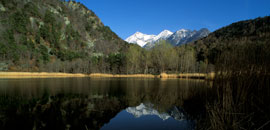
(101, 103)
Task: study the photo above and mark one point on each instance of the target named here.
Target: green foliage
(209, 49)
(116, 61)
(187, 59)
(107, 33)
(95, 59)
(51, 33)
(44, 31)
(133, 58)
(55, 36)
(69, 55)
(8, 36)
(49, 18)
(33, 47)
(37, 37)
(72, 34)
(11, 4)
(19, 22)
(89, 25)
(32, 10)
(11, 47)
(27, 42)
(161, 54)
(3, 50)
(44, 54)
(46, 47)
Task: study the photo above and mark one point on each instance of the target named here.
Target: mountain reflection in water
(95, 103)
(147, 109)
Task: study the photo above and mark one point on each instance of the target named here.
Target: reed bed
(123, 75)
(37, 75)
(99, 75)
(209, 76)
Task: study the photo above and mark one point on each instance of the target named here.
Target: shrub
(44, 54)
(32, 9)
(19, 22)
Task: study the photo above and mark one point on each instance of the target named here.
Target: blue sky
(125, 17)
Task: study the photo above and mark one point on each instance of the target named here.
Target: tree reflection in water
(84, 103)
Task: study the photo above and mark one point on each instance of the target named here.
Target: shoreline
(20, 75)
(8, 75)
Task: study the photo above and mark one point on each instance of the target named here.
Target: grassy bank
(37, 75)
(124, 75)
(209, 76)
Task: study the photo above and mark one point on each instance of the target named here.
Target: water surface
(101, 103)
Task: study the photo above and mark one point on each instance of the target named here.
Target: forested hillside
(241, 45)
(240, 53)
(54, 35)
(237, 35)
(60, 36)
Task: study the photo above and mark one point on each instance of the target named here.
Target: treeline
(60, 36)
(164, 58)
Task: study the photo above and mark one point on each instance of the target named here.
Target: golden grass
(123, 75)
(209, 76)
(37, 75)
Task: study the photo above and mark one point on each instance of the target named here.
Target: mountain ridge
(177, 38)
(242, 33)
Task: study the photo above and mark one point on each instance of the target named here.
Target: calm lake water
(101, 103)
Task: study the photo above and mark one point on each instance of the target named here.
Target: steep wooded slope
(39, 35)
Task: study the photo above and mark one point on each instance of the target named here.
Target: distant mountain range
(182, 36)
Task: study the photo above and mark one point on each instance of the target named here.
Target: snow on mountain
(163, 35)
(147, 109)
(182, 36)
(143, 110)
(140, 38)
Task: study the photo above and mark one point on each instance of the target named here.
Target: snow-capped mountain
(179, 37)
(147, 109)
(163, 35)
(140, 38)
(185, 36)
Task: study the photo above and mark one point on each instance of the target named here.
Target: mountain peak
(137, 33)
(163, 35)
(184, 36)
(166, 31)
(181, 36)
(140, 38)
(183, 30)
